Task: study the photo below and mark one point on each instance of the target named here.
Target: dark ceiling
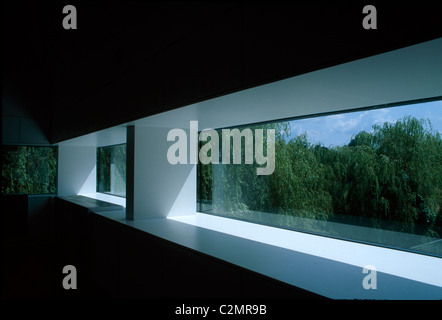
(128, 60)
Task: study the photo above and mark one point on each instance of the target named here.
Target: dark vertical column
(130, 162)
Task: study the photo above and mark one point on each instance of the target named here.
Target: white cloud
(344, 122)
(296, 130)
(314, 136)
(338, 129)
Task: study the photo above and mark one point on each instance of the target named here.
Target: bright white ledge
(421, 268)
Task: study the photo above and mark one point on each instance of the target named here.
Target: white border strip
(418, 267)
(106, 197)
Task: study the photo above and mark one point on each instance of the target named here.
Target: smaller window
(111, 170)
(29, 170)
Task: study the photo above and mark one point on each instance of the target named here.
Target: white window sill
(326, 266)
(421, 268)
(106, 197)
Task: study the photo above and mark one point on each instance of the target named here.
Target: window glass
(111, 170)
(29, 170)
(373, 176)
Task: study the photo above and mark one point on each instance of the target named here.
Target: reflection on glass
(111, 170)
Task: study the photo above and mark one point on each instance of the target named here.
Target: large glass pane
(111, 170)
(29, 170)
(373, 176)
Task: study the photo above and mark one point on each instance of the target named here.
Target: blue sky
(338, 129)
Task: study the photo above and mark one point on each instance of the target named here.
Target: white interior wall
(76, 170)
(162, 189)
(77, 160)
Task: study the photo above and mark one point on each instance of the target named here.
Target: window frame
(56, 166)
(97, 178)
(311, 116)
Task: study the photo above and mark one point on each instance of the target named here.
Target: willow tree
(396, 174)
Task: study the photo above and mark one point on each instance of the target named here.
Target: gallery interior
(86, 119)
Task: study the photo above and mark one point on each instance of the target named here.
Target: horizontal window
(29, 170)
(111, 170)
(372, 176)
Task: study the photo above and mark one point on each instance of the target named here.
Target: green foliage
(391, 177)
(29, 170)
(111, 170)
(396, 174)
(298, 185)
(103, 169)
